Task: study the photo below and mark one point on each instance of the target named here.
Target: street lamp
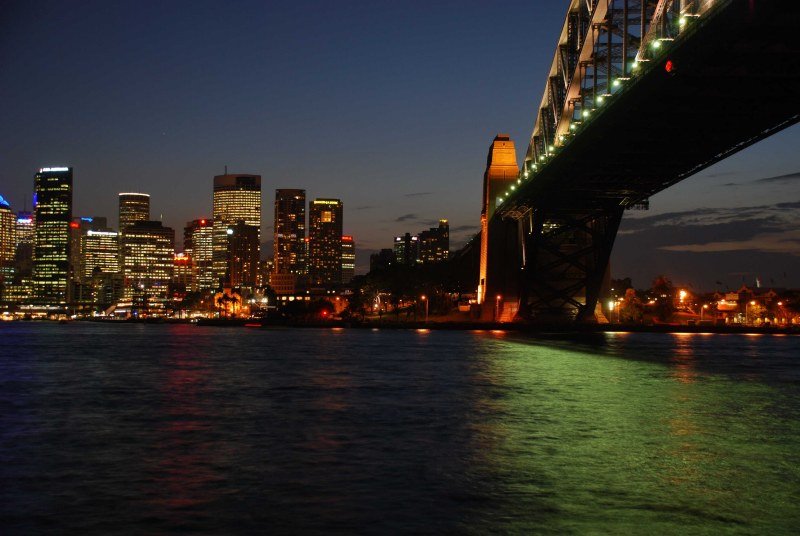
(425, 299)
(497, 307)
(702, 310)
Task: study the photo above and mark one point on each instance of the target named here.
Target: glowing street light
(702, 310)
(425, 299)
(497, 307)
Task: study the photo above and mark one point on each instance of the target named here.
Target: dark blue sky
(389, 106)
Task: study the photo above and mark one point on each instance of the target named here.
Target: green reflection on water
(581, 442)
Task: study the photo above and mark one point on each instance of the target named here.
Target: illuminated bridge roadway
(641, 94)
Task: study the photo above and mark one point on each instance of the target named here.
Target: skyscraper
(8, 233)
(23, 259)
(79, 288)
(100, 274)
(237, 198)
(197, 244)
(325, 242)
(289, 249)
(53, 212)
(148, 254)
(348, 259)
(243, 256)
(133, 207)
(406, 249)
(434, 244)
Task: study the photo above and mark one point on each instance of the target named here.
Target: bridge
(641, 94)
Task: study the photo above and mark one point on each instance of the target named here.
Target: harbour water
(178, 428)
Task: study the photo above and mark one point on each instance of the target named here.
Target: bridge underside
(733, 80)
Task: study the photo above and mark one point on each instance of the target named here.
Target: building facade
(434, 244)
(243, 257)
(148, 254)
(348, 259)
(325, 242)
(237, 198)
(381, 260)
(53, 213)
(406, 249)
(133, 207)
(197, 244)
(289, 248)
(8, 246)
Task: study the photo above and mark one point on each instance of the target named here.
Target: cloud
(364, 207)
(464, 228)
(406, 217)
(779, 242)
(418, 194)
(780, 178)
(778, 215)
(720, 174)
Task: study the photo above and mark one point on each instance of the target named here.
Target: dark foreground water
(159, 429)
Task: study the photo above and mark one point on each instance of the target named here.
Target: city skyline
(379, 123)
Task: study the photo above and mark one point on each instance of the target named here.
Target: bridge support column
(501, 173)
(567, 253)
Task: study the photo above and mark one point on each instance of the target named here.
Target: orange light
(752, 303)
(74, 224)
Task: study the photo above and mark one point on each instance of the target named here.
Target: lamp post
(425, 299)
(702, 310)
(497, 307)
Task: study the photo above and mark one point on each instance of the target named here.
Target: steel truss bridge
(641, 94)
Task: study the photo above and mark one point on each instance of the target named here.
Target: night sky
(389, 106)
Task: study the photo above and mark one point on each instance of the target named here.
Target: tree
(664, 296)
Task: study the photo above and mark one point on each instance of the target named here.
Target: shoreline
(534, 328)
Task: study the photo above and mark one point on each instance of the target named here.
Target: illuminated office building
(78, 228)
(133, 207)
(243, 256)
(23, 262)
(99, 253)
(406, 249)
(100, 275)
(348, 259)
(148, 255)
(53, 212)
(237, 198)
(325, 241)
(8, 243)
(434, 244)
(197, 244)
(289, 248)
(183, 274)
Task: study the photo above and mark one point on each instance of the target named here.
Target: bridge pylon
(499, 238)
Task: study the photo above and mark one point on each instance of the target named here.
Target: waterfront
(173, 428)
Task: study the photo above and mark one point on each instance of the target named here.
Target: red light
(74, 224)
(202, 222)
(669, 66)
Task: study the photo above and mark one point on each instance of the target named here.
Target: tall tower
(197, 244)
(148, 255)
(501, 171)
(8, 232)
(348, 259)
(53, 212)
(237, 198)
(133, 207)
(325, 241)
(243, 256)
(289, 248)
